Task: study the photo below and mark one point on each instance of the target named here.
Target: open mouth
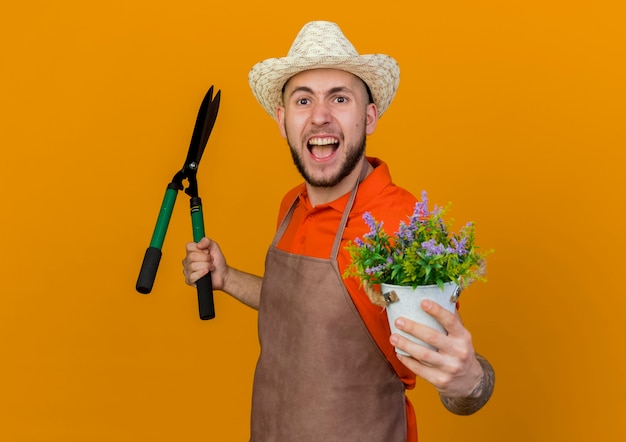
(322, 147)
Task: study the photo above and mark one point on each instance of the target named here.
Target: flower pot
(408, 303)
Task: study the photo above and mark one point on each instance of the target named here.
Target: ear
(280, 119)
(371, 118)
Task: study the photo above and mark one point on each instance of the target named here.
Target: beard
(355, 153)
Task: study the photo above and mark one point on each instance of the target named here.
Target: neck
(323, 195)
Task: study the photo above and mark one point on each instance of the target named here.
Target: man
(328, 370)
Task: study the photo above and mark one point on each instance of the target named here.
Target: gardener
(328, 370)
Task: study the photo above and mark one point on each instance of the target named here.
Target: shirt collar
(371, 186)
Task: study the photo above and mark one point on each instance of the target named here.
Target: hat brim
(380, 72)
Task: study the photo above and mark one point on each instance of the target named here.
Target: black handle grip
(148, 271)
(205, 297)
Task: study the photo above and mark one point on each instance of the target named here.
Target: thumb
(204, 243)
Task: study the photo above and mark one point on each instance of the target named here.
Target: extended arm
(206, 256)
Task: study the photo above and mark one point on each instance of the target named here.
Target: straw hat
(321, 44)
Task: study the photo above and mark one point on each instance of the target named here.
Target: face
(325, 118)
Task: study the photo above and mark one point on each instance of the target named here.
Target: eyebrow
(331, 91)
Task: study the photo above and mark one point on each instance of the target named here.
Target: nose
(320, 113)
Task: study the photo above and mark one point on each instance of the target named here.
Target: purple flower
(424, 203)
(405, 233)
(432, 248)
(375, 269)
(374, 226)
(460, 247)
(370, 221)
(420, 212)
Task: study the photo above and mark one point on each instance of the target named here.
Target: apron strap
(285, 222)
(346, 213)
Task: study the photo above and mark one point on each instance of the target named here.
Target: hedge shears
(201, 132)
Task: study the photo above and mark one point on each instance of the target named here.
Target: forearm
(244, 287)
(478, 397)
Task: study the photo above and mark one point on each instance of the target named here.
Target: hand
(204, 257)
(454, 370)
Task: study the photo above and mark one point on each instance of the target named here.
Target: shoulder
(288, 199)
(291, 195)
(391, 206)
(383, 199)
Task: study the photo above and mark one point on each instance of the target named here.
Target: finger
(422, 361)
(458, 342)
(198, 256)
(196, 263)
(414, 349)
(204, 243)
(194, 271)
(450, 321)
(430, 365)
(422, 332)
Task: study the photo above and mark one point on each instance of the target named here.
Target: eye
(302, 101)
(341, 99)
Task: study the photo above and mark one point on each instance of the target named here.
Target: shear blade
(203, 127)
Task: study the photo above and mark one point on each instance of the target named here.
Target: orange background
(512, 111)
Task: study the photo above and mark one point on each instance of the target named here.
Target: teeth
(322, 141)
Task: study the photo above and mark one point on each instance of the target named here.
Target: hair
(369, 93)
(367, 89)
